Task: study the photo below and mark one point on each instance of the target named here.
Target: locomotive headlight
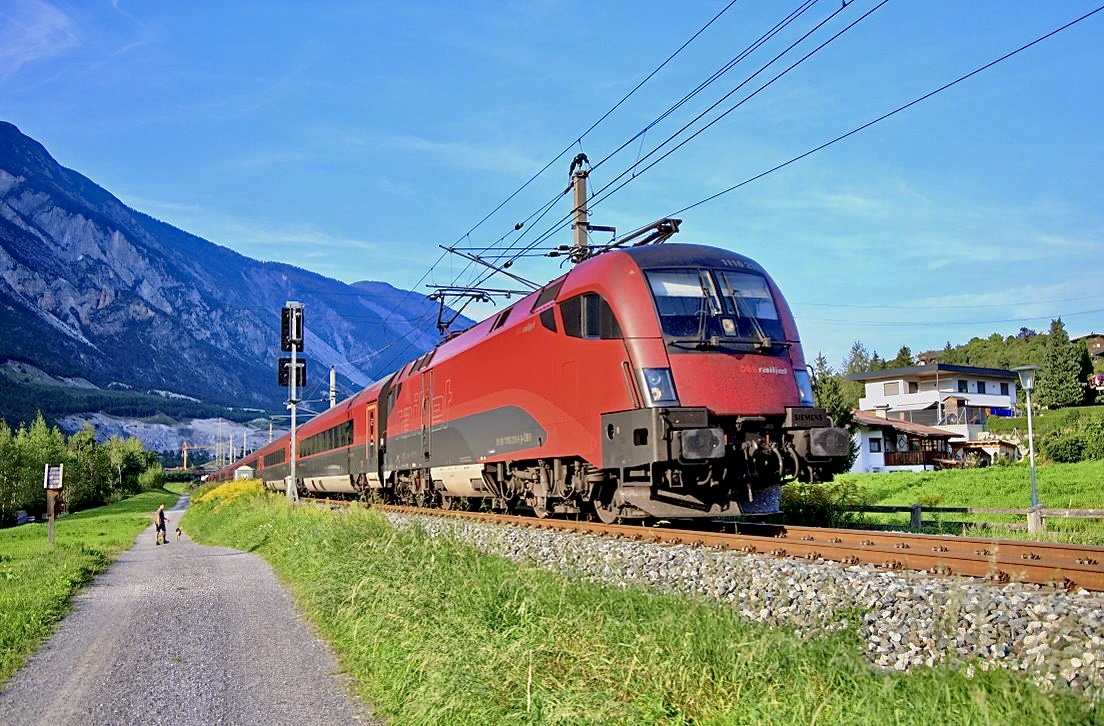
(804, 387)
(659, 387)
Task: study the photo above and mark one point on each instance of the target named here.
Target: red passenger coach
(653, 381)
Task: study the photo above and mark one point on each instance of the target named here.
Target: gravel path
(181, 634)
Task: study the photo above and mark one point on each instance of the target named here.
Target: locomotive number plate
(806, 418)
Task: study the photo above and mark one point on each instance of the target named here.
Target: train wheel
(606, 514)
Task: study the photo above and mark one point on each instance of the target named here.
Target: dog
(178, 533)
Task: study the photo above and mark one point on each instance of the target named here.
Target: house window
(891, 389)
(914, 387)
(875, 446)
(1004, 389)
(962, 386)
(981, 386)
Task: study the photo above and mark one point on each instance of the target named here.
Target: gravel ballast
(181, 634)
(906, 619)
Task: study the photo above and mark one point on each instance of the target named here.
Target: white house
(893, 445)
(954, 398)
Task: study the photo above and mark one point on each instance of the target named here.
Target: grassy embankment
(1060, 486)
(435, 632)
(1046, 423)
(37, 581)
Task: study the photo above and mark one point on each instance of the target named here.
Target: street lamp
(1027, 381)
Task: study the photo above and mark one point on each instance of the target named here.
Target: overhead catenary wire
(605, 192)
(918, 323)
(895, 111)
(762, 39)
(544, 236)
(568, 148)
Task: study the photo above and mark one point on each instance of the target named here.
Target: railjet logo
(775, 370)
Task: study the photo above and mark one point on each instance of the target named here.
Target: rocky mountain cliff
(90, 288)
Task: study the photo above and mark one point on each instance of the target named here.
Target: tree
(127, 459)
(90, 482)
(828, 393)
(1059, 380)
(857, 361)
(9, 474)
(37, 446)
(903, 359)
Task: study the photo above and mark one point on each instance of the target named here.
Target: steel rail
(996, 560)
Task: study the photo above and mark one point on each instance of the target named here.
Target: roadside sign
(52, 476)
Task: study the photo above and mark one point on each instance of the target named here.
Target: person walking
(160, 533)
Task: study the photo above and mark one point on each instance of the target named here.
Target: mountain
(91, 289)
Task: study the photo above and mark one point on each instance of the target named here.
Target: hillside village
(951, 408)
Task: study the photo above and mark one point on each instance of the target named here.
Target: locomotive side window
(549, 292)
(548, 319)
(589, 316)
(501, 319)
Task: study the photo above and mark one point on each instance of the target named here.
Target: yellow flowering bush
(225, 494)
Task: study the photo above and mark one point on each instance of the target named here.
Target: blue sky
(353, 138)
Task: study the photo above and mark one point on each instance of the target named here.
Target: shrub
(152, 478)
(821, 505)
(1067, 447)
(224, 494)
(1093, 436)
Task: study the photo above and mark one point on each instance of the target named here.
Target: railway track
(1048, 563)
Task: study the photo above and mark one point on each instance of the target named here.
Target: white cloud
(32, 30)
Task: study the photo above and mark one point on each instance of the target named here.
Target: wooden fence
(1036, 518)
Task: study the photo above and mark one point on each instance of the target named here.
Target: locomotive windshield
(701, 305)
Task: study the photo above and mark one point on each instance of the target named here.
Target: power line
(939, 307)
(895, 111)
(959, 322)
(602, 194)
(762, 39)
(594, 125)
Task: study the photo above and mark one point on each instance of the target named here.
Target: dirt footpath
(181, 634)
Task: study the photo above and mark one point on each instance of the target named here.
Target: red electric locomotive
(652, 381)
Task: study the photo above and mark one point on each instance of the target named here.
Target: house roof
(931, 369)
(871, 419)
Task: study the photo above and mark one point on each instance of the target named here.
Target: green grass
(434, 632)
(1045, 423)
(1060, 486)
(37, 581)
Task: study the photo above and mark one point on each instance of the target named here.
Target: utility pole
(579, 183)
(333, 387)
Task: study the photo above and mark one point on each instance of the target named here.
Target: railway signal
(284, 372)
(292, 337)
(291, 327)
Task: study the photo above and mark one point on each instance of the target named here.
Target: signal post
(293, 374)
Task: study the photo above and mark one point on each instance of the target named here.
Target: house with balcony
(955, 399)
(894, 445)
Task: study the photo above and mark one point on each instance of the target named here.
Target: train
(649, 382)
